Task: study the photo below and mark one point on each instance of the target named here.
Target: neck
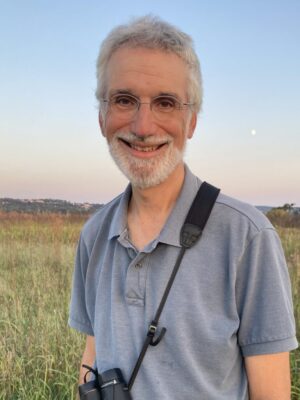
(158, 200)
(149, 208)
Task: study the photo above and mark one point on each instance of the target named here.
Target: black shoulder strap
(191, 231)
(198, 214)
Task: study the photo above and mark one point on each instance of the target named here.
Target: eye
(165, 104)
(124, 101)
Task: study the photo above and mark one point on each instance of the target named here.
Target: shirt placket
(136, 279)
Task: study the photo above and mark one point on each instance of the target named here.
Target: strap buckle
(189, 235)
(152, 331)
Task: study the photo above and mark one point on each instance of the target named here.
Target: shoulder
(236, 224)
(101, 220)
(229, 211)
(233, 211)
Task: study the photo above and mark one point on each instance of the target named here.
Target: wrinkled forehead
(146, 71)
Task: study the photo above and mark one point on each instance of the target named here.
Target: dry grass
(40, 355)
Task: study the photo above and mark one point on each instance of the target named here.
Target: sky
(247, 140)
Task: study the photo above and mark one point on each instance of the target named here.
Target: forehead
(146, 72)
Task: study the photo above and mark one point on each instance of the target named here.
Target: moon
(253, 132)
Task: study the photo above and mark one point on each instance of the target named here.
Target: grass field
(39, 354)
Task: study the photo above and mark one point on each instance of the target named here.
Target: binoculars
(110, 385)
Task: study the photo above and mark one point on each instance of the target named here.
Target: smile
(145, 149)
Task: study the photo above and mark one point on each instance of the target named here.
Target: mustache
(146, 139)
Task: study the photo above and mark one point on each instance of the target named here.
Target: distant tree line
(47, 206)
(285, 216)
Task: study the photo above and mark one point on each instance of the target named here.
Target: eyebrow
(121, 91)
(131, 93)
(171, 94)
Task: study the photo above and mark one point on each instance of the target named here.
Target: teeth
(153, 148)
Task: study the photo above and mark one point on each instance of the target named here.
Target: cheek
(112, 126)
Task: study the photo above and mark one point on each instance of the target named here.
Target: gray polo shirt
(231, 298)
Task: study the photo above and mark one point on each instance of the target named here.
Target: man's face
(147, 148)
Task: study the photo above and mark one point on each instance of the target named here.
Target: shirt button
(131, 253)
(138, 265)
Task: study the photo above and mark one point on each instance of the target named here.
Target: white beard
(145, 173)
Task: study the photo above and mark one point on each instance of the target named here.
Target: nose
(143, 123)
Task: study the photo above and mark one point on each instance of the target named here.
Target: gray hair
(152, 33)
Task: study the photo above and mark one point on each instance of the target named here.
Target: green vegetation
(290, 238)
(47, 206)
(286, 216)
(40, 355)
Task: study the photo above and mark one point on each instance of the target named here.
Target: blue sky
(50, 143)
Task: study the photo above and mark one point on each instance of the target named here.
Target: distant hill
(47, 206)
(264, 209)
(66, 207)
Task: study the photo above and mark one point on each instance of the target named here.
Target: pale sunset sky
(247, 140)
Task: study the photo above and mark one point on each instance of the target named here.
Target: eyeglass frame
(138, 103)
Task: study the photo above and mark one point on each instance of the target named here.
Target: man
(229, 315)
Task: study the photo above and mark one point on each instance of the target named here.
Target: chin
(147, 173)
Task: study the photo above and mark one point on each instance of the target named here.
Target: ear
(101, 123)
(192, 125)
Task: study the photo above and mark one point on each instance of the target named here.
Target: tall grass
(39, 354)
(290, 238)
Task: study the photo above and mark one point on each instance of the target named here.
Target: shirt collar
(170, 233)
(119, 221)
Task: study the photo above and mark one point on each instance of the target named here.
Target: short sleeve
(78, 316)
(264, 300)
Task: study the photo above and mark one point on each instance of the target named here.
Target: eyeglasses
(126, 106)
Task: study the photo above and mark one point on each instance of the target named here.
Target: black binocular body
(110, 385)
